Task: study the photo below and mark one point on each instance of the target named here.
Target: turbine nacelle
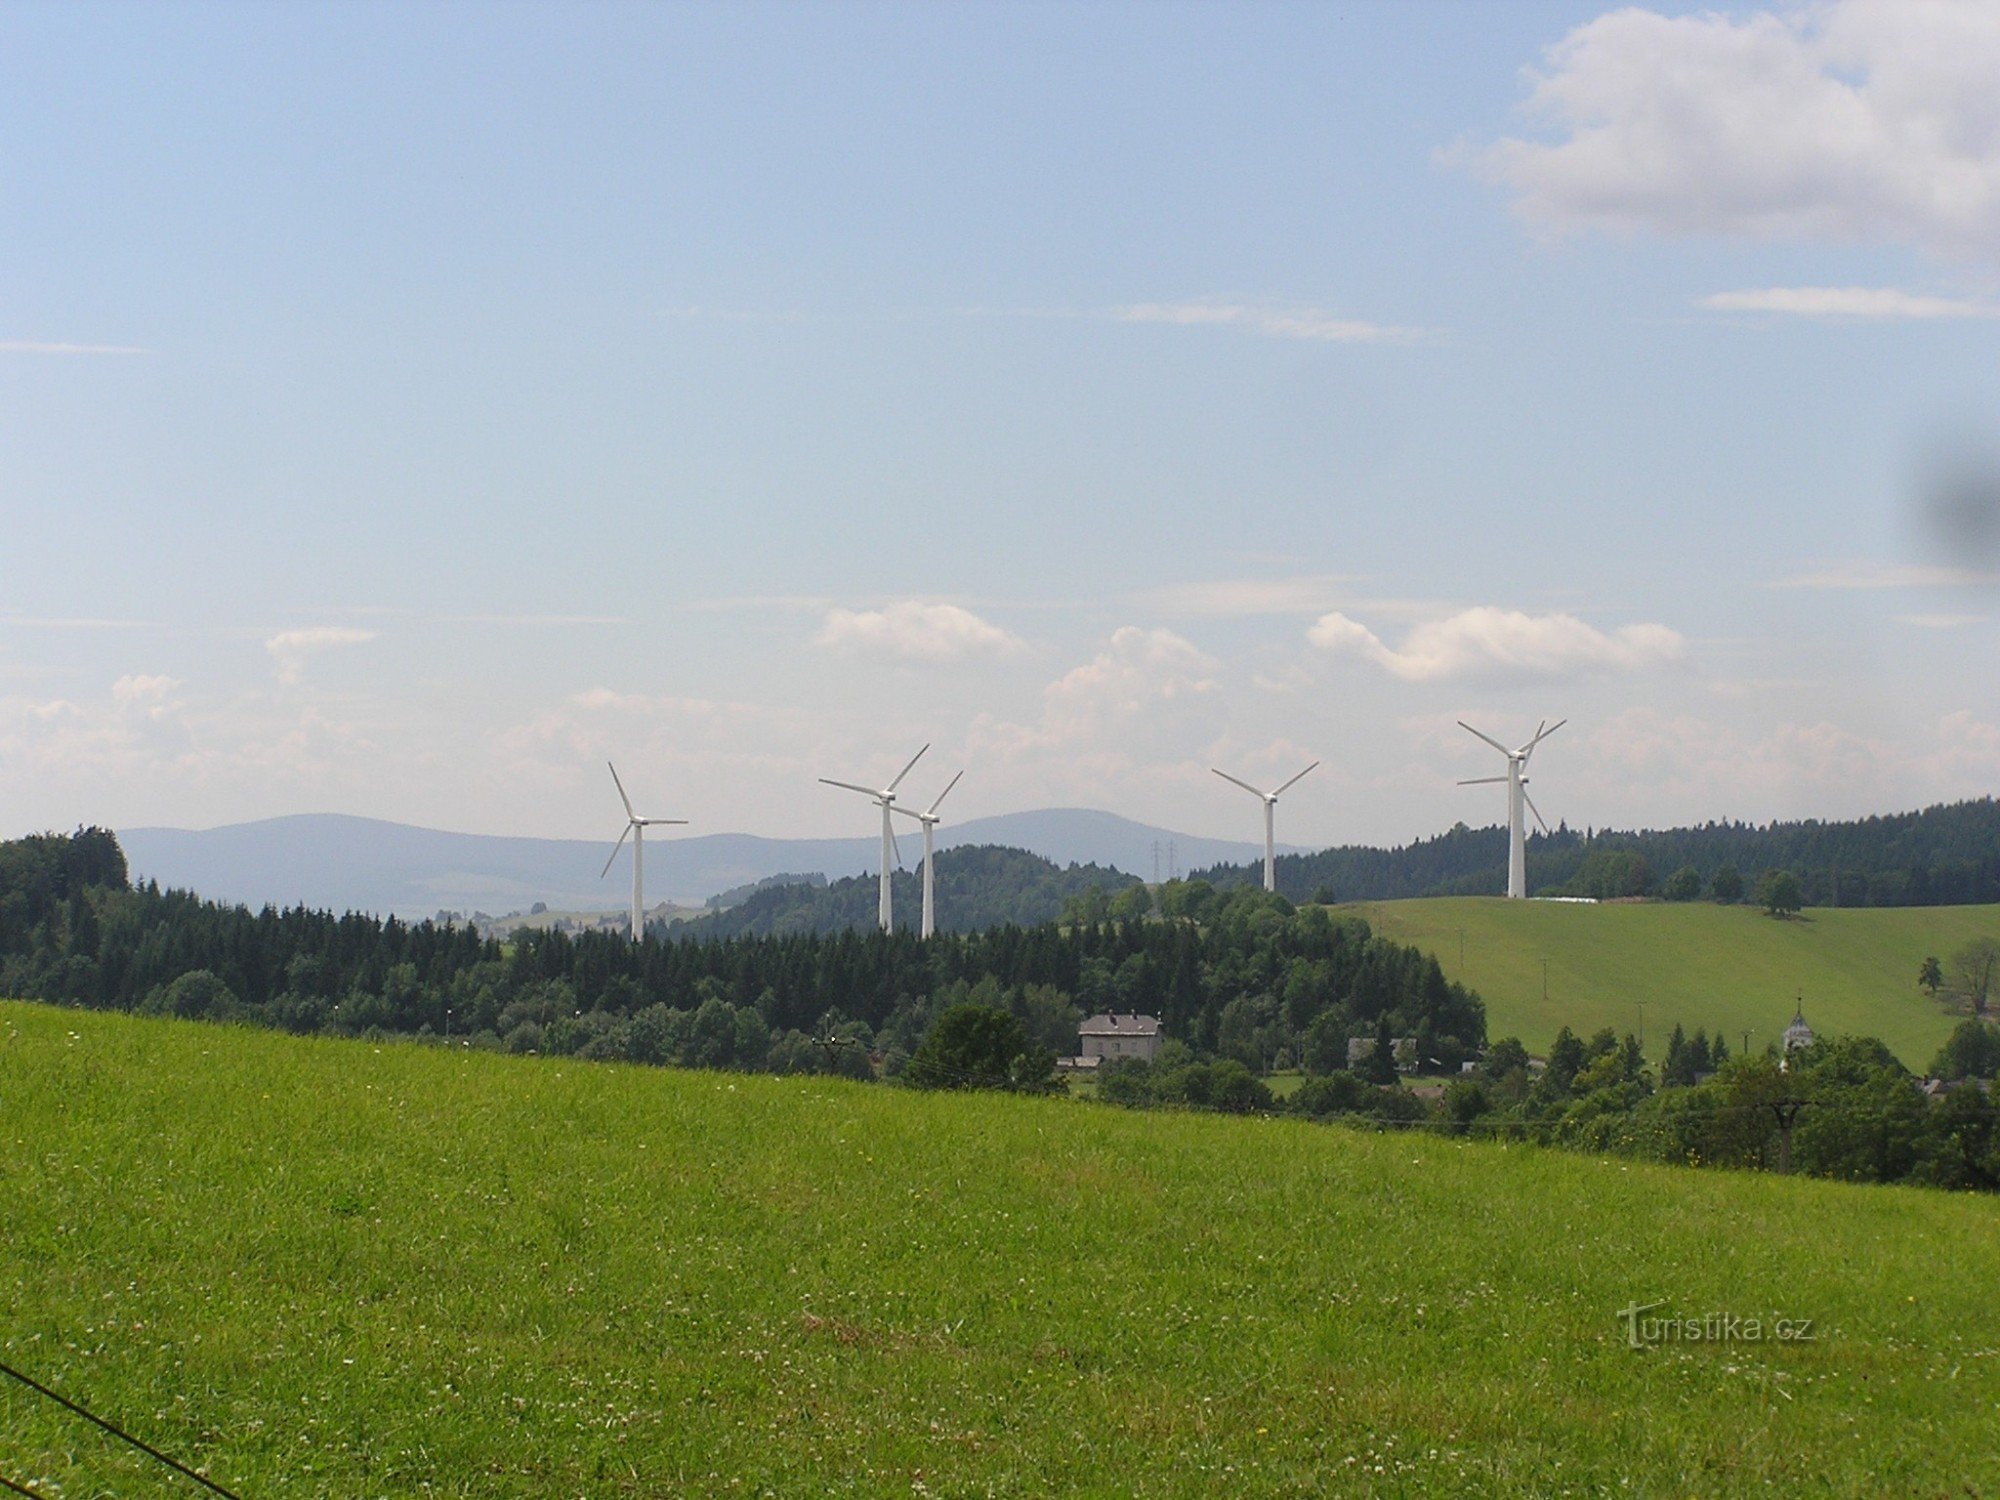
(1518, 799)
(884, 798)
(635, 829)
(1270, 801)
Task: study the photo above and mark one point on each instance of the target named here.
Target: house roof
(1117, 1025)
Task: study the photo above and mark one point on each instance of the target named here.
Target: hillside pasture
(327, 1268)
(1717, 968)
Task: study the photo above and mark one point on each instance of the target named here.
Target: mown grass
(325, 1268)
(1726, 968)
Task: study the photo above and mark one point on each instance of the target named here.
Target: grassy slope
(323, 1268)
(1714, 967)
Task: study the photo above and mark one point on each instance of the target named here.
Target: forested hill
(1253, 979)
(977, 886)
(1947, 855)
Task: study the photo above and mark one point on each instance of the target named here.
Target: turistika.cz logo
(1644, 1328)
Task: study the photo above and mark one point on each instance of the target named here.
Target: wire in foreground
(118, 1432)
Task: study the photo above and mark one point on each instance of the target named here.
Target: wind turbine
(885, 798)
(1517, 782)
(930, 820)
(1270, 815)
(636, 826)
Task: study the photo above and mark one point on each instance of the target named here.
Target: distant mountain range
(340, 863)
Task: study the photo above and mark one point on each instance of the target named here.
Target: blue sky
(403, 409)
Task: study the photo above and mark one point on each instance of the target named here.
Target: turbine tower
(636, 826)
(885, 798)
(930, 820)
(1270, 800)
(1517, 795)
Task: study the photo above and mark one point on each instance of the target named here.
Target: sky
(404, 409)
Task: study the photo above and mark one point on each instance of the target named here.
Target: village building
(1114, 1035)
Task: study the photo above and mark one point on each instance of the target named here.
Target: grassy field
(1727, 968)
(325, 1268)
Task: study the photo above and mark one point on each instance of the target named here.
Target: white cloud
(1847, 120)
(35, 346)
(1309, 323)
(1139, 714)
(1487, 641)
(1683, 760)
(149, 696)
(1872, 303)
(1139, 669)
(1862, 574)
(1247, 597)
(914, 629)
(292, 647)
(1967, 757)
(1942, 622)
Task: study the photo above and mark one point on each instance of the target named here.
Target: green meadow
(328, 1268)
(1717, 968)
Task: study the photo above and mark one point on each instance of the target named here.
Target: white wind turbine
(885, 798)
(1270, 800)
(636, 826)
(1517, 795)
(930, 820)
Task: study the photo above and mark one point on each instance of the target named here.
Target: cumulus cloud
(1140, 668)
(1142, 710)
(916, 630)
(1855, 303)
(1872, 120)
(1310, 323)
(1488, 642)
(290, 648)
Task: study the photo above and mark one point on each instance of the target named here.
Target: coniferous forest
(1947, 855)
(1246, 974)
(1242, 981)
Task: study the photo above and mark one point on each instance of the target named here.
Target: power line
(116, 1431)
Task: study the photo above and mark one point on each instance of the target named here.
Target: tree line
(1948, 855)
(976, 886)
(1249, 977)
(1841, 1108)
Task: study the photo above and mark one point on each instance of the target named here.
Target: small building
(1113, 1035)
(1798, 1035)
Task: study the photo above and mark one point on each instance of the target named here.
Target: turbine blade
(1486, 737)
(946, 792)
(1253, 791)
(1484, 781)
(1540, 735)
(1300, 777)
(614, 852)
(896, 844)
(905, 771)
(908, 812)
(866, 791)
(621, 791)
(658, 822)
(1536, 811)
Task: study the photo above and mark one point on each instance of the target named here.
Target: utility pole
(1461, 953)
(1545, 980)
(1642, 1025)
(1786, 1111)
